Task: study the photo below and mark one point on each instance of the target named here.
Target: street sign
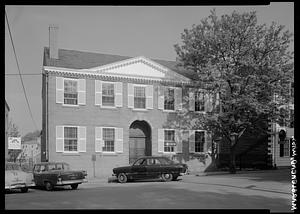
(14, 143)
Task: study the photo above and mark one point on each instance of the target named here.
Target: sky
(150, 31)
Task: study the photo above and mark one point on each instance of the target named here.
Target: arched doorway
(139, 140)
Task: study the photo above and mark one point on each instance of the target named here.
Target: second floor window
(169, 143)
(199, 141)
(108, 95)
(199, 101)
(70, 139)
(70, 92)
(169, 99)
(139, 97)
(109, 139)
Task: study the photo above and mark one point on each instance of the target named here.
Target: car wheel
(167, 177)
(122, 178)
(48, 186)
(24, 189)
(74, 186)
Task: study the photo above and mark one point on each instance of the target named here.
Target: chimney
(53, 31)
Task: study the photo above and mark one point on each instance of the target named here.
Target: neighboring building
(113, 109)
(31, 151)
(6, 129)
(280, 139)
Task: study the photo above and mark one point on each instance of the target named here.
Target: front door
(137, 148)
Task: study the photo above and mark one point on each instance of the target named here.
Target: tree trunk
(232, 167)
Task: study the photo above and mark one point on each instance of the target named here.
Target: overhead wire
(12, 42)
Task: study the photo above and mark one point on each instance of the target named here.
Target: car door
(37, 175)
(139, 169)
(153, 168)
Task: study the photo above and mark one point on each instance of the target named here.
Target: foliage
(242, 61)
(31, 135)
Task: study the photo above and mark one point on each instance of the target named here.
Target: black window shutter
(281, 150)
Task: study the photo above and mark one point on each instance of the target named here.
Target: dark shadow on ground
(280, 175)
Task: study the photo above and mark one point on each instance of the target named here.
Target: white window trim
(140, 109)
(71, 152)
(109, 107)
(104, 152)
(169, 110)
(170, 153)
(70, 105)
(200, 130)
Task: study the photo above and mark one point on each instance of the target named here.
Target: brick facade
(91, 115)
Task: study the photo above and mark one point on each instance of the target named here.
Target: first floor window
(199, 141)
(169, 99)
(70, 139)
(108, 94)
(169, 142)
(139, 97)
(109, 139)
(284, 149)
(70, 92)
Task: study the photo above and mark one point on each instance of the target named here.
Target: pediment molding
(150, 70)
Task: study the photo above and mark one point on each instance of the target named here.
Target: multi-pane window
(199, 101)
(199, 141)
(70, 139)
(70, 92)
(169, 141)
(139, 97)
(109, 140)
(286, 149)
(108, 95)
(169, 99)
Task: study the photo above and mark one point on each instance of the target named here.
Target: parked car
(16, 178)
(51, 174)
(150, 167)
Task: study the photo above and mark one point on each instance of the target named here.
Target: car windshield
(12, 166)
(139, 162)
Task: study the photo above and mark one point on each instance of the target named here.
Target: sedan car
(51, 174)
(15, 178)
(150, 167)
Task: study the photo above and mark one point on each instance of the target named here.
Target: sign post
(14, 143)
(94, 160)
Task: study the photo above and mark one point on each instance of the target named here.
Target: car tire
(48, 186)
(122, 178)
(167, 177)
(24, 189)
(74, 186)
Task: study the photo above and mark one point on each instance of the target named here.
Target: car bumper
(184, 173)
(78, 181)
(18, 186)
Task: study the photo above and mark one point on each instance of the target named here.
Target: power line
(21, 74)
(12, 42)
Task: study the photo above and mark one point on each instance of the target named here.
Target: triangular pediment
(139, 67)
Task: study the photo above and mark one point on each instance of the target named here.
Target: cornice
(80, 73)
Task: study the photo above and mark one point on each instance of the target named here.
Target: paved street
(263, 190)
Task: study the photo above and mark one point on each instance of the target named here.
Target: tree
(243, 62)
(13, 131)
(31, 135)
